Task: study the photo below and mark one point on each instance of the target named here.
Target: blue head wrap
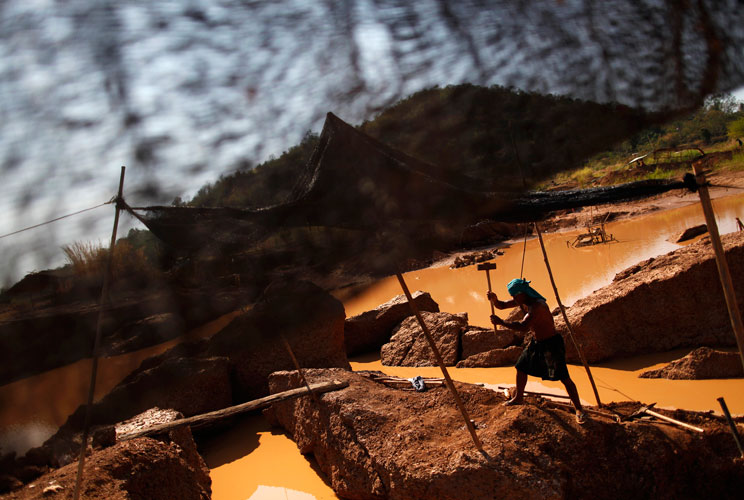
(519, 285)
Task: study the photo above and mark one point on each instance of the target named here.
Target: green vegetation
(504, 138)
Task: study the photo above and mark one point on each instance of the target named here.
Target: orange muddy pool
(252, 461)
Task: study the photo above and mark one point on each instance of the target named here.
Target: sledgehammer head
(486, 266)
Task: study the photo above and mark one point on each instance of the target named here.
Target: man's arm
(520, 326)
(500, 304)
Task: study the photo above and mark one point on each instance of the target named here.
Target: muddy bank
(660, 304)
(51, 335)
(372, 441)
(702, 363)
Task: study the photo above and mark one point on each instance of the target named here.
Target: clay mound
(408, 345)
(689, 233)
(372, 442)
(702, 363)
(658, 305)
(368, 331)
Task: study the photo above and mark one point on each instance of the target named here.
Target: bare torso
(539, 319)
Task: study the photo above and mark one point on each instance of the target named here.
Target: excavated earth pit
(373, 441)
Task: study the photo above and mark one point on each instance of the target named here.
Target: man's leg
(573, 393)
(519, 395)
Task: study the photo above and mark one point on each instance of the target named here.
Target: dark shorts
(545, 359)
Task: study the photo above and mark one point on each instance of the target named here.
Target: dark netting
(357, 195)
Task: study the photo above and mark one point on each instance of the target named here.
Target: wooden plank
(205, 418)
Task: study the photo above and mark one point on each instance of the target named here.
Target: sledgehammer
(487, 266)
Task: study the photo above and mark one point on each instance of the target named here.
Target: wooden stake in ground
(723, 269)
(732, 426)
(487, 266)
(565, 318)
(96, 344)
(299, 369)
(438, 357)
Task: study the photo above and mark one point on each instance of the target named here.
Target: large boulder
(408, 345)
(367, 332)
(308, 319)
(373, 442)
(660, 304)
(476, 340)
(702, 363)
(190, 386)
(494, 357)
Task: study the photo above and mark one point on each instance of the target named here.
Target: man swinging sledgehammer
(545, 356)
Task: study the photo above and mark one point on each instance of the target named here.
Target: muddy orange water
(254, 461)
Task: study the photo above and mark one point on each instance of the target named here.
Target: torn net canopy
(357, 195)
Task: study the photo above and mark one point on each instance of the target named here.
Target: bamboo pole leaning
(565, 318)
(107, 277)
(469, 424)
(723, 270)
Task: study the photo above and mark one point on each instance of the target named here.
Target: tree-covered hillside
(505, 138)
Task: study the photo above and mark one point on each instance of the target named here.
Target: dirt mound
(137, 469)
(689, 233)
(702, 363)
(372, 442)
(660, 304)
(163, 468)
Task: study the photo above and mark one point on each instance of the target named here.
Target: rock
(310, 319)
(8, 483)
(148, 418)
(372, 442)
(408, 345)
(493, 357)
(476, 340)
(702, 363)
(188, 385)
(488, 231)
(367, 332)
(145, 332)
(688, 305)
(689, 233)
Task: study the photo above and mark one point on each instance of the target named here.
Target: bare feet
(514, 401)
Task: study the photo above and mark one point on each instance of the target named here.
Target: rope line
(58, 218)
(524, 250)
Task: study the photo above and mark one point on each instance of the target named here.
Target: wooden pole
(299, 369)
(565, 318)
(438, 357)
(732, 425)
(723, 270)
(96, 345)
(256, 404)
